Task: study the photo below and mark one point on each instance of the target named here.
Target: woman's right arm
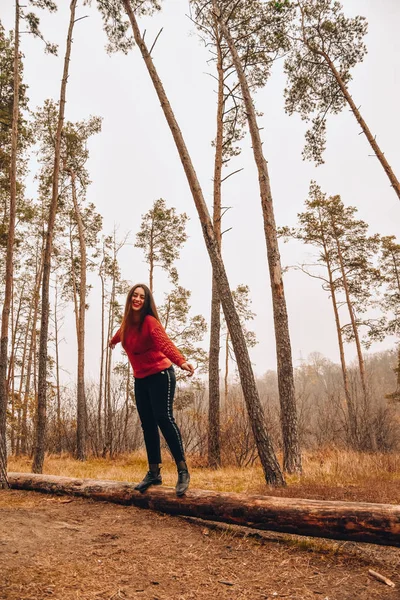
(115, 340)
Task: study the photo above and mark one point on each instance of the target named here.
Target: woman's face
(138, 298)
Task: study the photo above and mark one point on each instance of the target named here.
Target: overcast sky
(134, 161)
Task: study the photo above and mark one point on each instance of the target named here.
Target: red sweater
(149, 349)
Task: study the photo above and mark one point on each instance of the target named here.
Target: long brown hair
(148, 308)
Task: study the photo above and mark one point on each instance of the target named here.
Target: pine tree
(389, 266)
(347, 253)
(229, 131)
(262, 26)
(161, 236)
(39, 444)
(33, 27)
(325, 46)
(88, 224)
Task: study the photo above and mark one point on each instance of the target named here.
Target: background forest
(275, 100)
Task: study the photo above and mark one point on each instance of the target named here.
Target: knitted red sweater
(149, 349)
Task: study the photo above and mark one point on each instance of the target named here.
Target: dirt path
(74, 549)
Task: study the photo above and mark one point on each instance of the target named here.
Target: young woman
(151, 354)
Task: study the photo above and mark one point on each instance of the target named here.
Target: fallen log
(355, 521)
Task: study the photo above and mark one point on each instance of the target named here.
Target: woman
(151, 354)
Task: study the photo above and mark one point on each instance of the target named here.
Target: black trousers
(154, 397)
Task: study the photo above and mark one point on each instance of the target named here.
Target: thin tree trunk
(99, 408)
(11, 372)
(15, 340)
(396, 394)
(35, 384)
(108, 428)
(56, 341)
(73, 280)
(18, 441)
(291, 445)
(21, 381)
(151, 255)
(268, 459)
(354, 327)
(81, 412)
(351, 313)
(349, 400)
(214, 426)
(371, 138)
(32, 352)
(226, 368)
(15, 344)
(128, 380)
(106, 411)
(40, 429)
(9, 261)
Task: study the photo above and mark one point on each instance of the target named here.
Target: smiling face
(138, 298)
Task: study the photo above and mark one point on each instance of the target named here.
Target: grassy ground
(74, 548)
(332, 473)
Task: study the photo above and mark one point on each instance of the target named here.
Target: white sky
(134, 161)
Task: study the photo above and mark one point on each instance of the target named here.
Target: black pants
(154, 397)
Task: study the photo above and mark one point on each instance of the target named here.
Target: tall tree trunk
(100, 440)
(214, 420)
(21, 381)
(126, 421)
(291, 445)
(396, 394)
(5, 316)
(151, 257)
(35, 385)
(31, 355)
(108, 414)
(371, 138)
(267, 456)
(73, 279)
(40, 429)
(81, 412)
(11, 372)
(56, 342)
(15, 344)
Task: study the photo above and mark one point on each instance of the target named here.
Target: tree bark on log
(355, 521)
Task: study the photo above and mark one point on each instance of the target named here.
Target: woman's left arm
(164, 344)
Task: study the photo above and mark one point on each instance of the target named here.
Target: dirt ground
(66, 548)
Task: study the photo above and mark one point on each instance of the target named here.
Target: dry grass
(327, 473)
(344, 467)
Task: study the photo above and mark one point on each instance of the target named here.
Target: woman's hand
(188, 367)
(111, 345)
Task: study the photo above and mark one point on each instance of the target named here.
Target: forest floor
(65, 548)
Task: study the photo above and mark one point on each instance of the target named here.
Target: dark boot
(183, 482)
(151, 478)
